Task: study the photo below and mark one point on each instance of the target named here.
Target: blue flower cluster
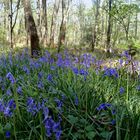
(50, 125)
(111, 72)
(107, 106)
(7, 108)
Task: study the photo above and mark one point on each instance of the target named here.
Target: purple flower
(40, 85)
(8, 92)
(113, 122)
(10, 77)
(76, 100)
(58, 134)
(59, 104)
(26, 70)
(1, 79)
(122, 90)
(113, 111)
(32, 106)
(7, 134)
(50, 77)
(19, 90)
(75, 70)
(103, 106)
(138, 87)
(12, 104)
(40, 75)
(83, 72)
(7, 112)
(1, 106)
(46, 112)
(111, 72)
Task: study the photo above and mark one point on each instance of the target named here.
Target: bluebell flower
(67, 62)
(1, 106)
(49, 125)
(122, 90)
(40, 75)
(103, 106)
(113, 111)
(32, 106)
(7, 134)
(45, 112)
(37, 65)
(2, 87)
(113, 122)
(111, 72)
(48, 133)
(8, 92)
(59, 61)
(83, 72)
(50, 77)
(75, 70)
(52, 67)
(58, 134)
(59, 104)
(19, 90)
(10, 77)
(11, 103)
(7, 112)
(40, 85)
(76, 100)
(26, 70)
(1, 79)
(56, 127)
(138, 87)
(30, 100)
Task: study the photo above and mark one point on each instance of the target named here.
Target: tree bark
(62, 33)
(94, 38)
(44, 23)
(108, 45)
(34, 39)
(53, 24)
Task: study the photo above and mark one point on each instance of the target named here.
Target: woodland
(70, 69)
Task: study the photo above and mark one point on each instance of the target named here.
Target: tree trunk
(95, 25)
(62, 33)
(34, 39)
(136, 25)
(53, 22)
(108, 45)
(44, 38)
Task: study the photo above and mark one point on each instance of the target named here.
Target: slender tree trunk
(62, 33)
(38, 9)
(136, 25)
(11, 23)
(108, 45)
(53, 22)
(95, 25)
(34, 39)
(44, 23)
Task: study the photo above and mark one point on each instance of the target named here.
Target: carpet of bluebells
(64, 97)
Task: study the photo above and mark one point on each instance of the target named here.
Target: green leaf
(89, 128)
(7, 126)
(90, 135)
(72, 119)
(1, 129)
(105, 134)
